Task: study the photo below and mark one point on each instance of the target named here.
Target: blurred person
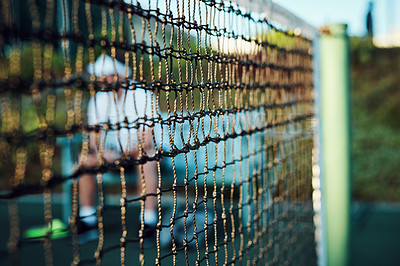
(120, 106)
(369, 19)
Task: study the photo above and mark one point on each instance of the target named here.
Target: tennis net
(208, 105)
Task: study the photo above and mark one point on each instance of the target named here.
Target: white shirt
(106, 107)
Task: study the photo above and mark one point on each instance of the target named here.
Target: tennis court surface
(62, 249)
(375, 237)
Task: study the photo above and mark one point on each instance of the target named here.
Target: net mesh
(210, 111)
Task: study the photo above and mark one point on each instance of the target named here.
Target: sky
(352, 12)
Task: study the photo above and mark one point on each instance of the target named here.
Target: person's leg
(87, 189)
(151, 180)
(150, 177)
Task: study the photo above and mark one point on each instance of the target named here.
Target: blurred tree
(376, 122)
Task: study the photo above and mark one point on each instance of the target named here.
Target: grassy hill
(375, 122)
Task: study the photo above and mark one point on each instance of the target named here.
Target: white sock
(88, 212)
(150, 217)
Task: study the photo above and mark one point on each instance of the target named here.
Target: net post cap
(336, 30)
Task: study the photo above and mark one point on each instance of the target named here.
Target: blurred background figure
(115, 107)
(369, 20)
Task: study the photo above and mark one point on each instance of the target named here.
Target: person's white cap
(106, 65)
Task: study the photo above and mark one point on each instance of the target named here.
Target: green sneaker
(56, 229)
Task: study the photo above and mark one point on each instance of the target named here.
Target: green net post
(335, 140)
